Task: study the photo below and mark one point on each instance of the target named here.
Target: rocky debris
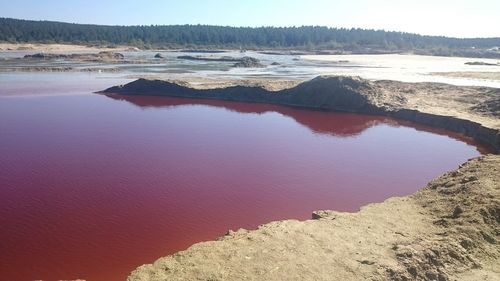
(101, 56)
(248, 62)
(325, 214)
(275, 63)
(481, 63)
(158, 56)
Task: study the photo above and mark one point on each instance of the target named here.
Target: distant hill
(304, 37)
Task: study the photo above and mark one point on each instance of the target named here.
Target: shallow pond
(91, 186)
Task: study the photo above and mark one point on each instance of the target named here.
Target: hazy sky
(459, 18)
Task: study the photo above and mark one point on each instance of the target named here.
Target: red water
(93, 186)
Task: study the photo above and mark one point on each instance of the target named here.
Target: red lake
(92, 186)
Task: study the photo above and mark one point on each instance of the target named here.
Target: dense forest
(311, 37)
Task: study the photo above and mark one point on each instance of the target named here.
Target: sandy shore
(58, 48)
(470, 74)
(449, 230)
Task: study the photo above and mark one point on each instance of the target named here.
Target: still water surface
(91, 186)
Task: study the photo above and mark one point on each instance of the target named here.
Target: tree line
(316, 37)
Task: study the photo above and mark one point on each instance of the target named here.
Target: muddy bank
(472, 111)
(447, 231)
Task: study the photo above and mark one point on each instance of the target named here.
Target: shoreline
(65, 47)
(445, 231)
(61, 47)
(399, 100)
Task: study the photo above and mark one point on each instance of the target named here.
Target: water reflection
(319, 122)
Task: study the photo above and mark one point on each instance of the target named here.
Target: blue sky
(459, 18)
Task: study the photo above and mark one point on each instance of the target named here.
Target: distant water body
(91, 186)
(407, 68)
